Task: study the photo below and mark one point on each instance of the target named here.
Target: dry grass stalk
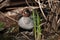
(41, 9)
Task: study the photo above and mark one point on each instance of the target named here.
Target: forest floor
(10, 30)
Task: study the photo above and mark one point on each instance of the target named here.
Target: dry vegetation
(49, 13)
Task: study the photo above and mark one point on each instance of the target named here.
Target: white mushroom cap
(25, 23)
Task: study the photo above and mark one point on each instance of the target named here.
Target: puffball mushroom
(25, 21)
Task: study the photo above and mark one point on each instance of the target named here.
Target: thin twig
(58, 21)
(42, 23)
(25, 36)
(27, 3)
(4, 3)
(49, 2)
(8, 17)
(41, 9)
